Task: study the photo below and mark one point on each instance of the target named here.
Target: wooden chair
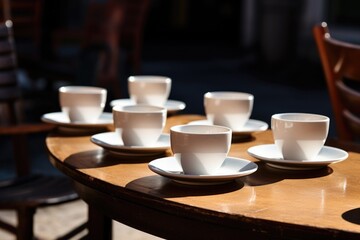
(129, 34)
(25, 192)
(96, 61)
(340, 61)
(26, 16)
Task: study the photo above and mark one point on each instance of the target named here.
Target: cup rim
(138, 108)
(177, 129)
(308, 117)
(82, 89)
(149, 78)
(229, 95)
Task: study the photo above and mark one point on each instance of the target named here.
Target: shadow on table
(268, 175)
(352, 216)
(242, 138)
(166, 188)
(103, 158)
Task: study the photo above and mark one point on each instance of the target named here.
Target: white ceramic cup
(82, 104)
(152, 90)
(299, 136)
(139, 125)
(229, 109)
(200, 149)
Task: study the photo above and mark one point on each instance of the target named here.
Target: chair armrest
(23, 129)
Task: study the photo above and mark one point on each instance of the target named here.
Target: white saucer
(171, 105)
(250, 126)
(231, 169)
(111, 141)
(270, 154)
(61, 119)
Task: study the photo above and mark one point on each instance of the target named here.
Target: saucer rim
(179, 104)
(192, 179)
(239, 132)
(45, 118)
(300, 163)
(129, 149)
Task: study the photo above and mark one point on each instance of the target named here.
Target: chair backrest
(135, 15)
(26, 16)
(133, 30)
(100, 40)
(10, 99)
(13, 120)
(9, 90)
(341, 65)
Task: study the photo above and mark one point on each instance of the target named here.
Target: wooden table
(269, 204)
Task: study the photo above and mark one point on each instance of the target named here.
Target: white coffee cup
(229, 109)
(152, 90)
(200, 149)
(139, 125)
(299, 136)
(82, 104)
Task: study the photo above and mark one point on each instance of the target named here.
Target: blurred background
(260, 46)
(264, 47)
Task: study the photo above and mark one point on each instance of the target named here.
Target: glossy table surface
(270, 203)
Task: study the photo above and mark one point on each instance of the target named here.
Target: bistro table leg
(100, 226)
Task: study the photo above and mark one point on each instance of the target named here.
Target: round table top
(325, 200)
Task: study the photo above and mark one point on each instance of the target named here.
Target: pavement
(55, 221)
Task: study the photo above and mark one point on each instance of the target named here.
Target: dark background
(264, 47)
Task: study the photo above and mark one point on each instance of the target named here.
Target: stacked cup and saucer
(139, 124)
(82, 110)
(200, 156)
(299, 140)
(156, 89)
(233, 110)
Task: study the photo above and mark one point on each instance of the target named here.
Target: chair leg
(100, 226)
(22, 162)
(25, 218)
(7, 227)
(73, 232)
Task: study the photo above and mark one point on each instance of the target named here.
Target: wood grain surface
(270, 203)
